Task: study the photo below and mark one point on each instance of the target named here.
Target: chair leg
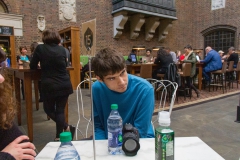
(222, 82)
(237, 78)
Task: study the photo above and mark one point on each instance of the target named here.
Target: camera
(130, 143)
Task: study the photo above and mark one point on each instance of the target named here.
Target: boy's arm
(99, 131)
(99, 128)
(144, 116)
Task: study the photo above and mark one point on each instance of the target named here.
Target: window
(220, 40)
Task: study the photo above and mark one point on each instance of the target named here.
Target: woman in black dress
(55, 81)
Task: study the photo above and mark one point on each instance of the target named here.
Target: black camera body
(130, 143)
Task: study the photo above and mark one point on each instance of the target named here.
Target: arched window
(3, 7)
(219, 37)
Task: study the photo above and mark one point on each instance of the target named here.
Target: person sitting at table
(132, 57)
(148, 57)
(55, 80)
(190, 57)
(163, 60)
(13, 144)
(84, 70)
(223, 56)
(211, 62)
(233, 56)
(173, 54)
(134, 95)
(20, 58)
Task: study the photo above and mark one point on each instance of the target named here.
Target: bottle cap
(114, 106)
(164, 118)
(65, 136)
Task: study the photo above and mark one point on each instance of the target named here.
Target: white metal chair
(168, 90)
(81, 113)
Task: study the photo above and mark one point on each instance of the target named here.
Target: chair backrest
(87, 74)
(224, 67)
(186, 69)
(167, 90)
(230, 66)
(238, 66)
(146, 71)
(81, 126)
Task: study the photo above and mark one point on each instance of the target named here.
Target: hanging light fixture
(157, 48)
(138, 47)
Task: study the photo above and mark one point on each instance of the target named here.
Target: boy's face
(148, 53)
(24, 51)
(117, 82)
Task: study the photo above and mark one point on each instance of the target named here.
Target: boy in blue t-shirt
(134, 95)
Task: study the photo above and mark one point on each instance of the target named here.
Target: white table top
(186, 148)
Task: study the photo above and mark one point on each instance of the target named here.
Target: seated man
(148, 57)
(233, 56)
(134, 95)
(211, 62)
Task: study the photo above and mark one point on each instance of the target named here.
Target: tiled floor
(210, 117)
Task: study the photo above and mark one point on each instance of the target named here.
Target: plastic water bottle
(66, 151)
(164, 138)
(114, 124)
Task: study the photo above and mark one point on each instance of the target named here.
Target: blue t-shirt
(24, 58)
(135, 105)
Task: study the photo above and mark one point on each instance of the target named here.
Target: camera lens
(130, 145)
(130, 140)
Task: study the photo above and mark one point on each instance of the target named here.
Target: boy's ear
(99, 79)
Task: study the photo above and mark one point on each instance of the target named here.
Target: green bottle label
(164, 144)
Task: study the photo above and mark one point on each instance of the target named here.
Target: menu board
(6, 30)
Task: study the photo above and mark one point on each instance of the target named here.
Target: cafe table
(27, 75)
(132, 68)
(186, 148)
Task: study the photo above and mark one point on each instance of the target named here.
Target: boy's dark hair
(51, 37)
(149, 50)
(162, 52)
(134, 50)
(21, 47)
(107, 61)
(188, 47)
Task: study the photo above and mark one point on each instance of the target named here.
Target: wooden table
(200, 70)
(28, 75)
(132, 68)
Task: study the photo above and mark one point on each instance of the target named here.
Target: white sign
(217, 4)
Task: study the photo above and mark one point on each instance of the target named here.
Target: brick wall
(193, 17)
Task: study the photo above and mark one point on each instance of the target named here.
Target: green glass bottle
(164, 138)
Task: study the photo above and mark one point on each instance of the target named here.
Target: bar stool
(218, 77)
(237, 71)
(186, 72)
(229, 73)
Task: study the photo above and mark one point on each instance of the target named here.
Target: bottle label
(115, 139)
(164, 146)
